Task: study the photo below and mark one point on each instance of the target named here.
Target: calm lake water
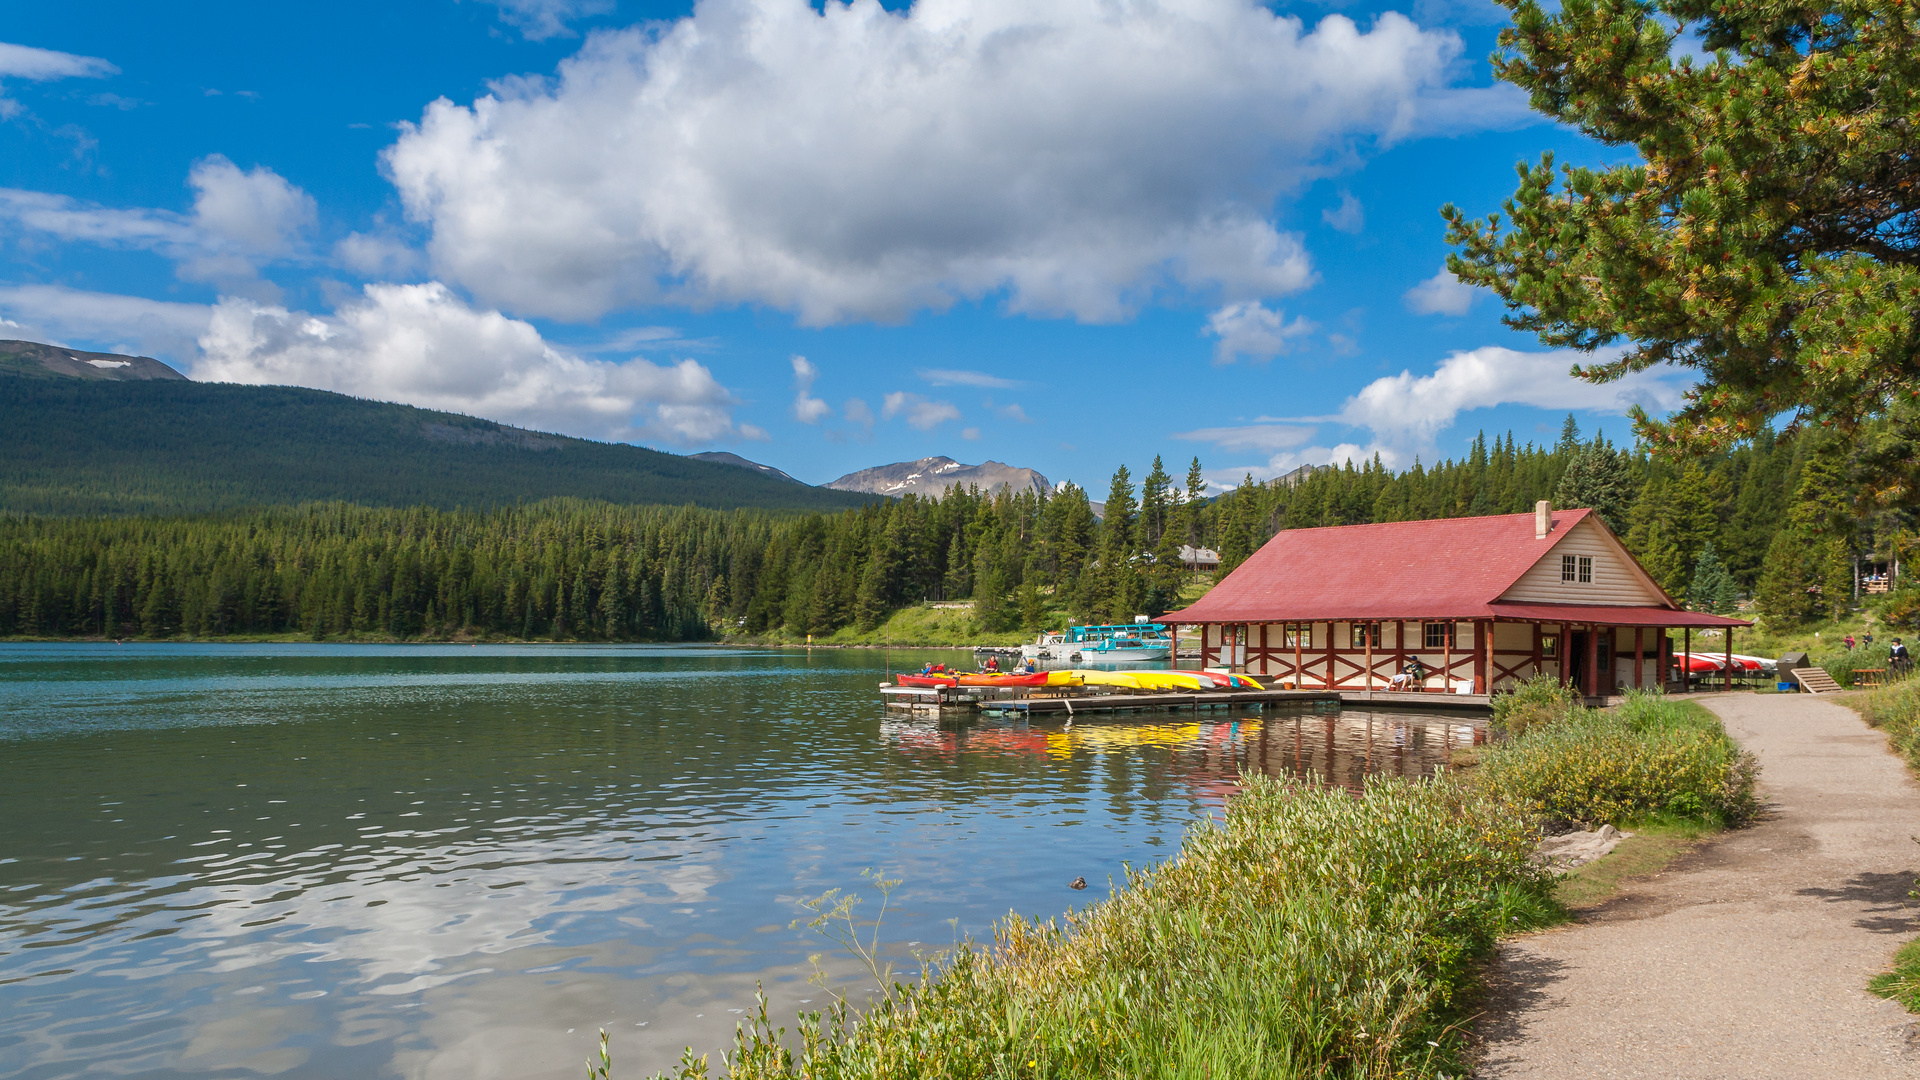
(444, 861)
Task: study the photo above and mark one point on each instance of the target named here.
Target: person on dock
(993, 665)
(1410, 676)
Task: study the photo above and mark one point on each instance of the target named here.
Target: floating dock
(998, 701)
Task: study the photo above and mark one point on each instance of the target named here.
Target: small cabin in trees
(1482, 602)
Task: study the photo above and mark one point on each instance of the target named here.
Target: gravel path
(1748, 958)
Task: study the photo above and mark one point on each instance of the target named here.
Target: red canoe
(1007, 678)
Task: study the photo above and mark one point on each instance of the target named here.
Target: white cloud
(377, 256)
(921, 413)
(1441, 294)
(41, 65)
(858, 412)
(953, 377)
(853, 163)
(1251, 329)
(1265, 438)
(240, 221)
(421, 345)
(806, 408)
(1348, 217)
(1406, 411)
(1012, 412)
(60, 315)
(538, 20)
(970, 434)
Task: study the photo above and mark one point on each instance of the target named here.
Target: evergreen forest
(1770, 520)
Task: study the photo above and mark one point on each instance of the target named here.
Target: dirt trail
(1750, 957)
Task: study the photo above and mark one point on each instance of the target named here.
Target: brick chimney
(1542, 519)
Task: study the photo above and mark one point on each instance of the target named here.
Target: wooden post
(1686, 664)
(1446, 654)
(1399, 646)
(1638, 664)
(1592, 689)
(1490, 662)
(1266, 662)
(1536, 650)
(1331, 646)
(1660, 659)
(1366, 632)
(1726, 683)
(1566, 653)
(1299, 665)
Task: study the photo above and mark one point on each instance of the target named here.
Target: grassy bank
(1309, 933)
(1312, 933)
(1895, 710)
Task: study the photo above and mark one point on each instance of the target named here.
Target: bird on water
(1077, 883)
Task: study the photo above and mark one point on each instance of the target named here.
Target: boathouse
(1482, 602)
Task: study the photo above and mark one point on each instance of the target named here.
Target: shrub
(1841, 664)
(1311, 933)
(1651, 755)
(1542, 699)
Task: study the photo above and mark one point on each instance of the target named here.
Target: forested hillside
(79, 447)
(593, 571)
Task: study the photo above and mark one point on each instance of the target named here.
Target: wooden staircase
(1815, 680)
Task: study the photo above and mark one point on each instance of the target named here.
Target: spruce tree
(1597, 477)
(1712, 588)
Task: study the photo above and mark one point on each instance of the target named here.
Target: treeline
(1771, 518)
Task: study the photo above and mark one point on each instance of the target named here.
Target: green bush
(1842, 663)
(1542, 699)
(1651, 755)
(1312, 933)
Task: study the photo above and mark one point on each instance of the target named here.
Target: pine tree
(1597, 477)
(1712, 588)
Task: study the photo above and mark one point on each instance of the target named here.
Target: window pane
(1566, 568)
(1586, 568)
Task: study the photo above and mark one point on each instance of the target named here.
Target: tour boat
(1122, 643)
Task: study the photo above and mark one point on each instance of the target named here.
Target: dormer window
(1577, 568)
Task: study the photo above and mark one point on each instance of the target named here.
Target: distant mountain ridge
(33, 360)
(142, 439)
(722, 457)
(930, 477)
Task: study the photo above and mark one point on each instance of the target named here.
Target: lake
(461, 862)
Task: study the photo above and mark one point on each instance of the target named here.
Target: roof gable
(1614, 576)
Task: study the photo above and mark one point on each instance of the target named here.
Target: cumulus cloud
(920, 412)
(952, 377)
(1405, 413)
(852, 163)
(806, 408)
(1408, 410)
(1348, 217)
(1441, 294)
(538, 20)
(422, 345)
(1253, 330)
(241, 220)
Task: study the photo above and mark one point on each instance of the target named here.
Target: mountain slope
(931, 477)
(721, 457)
(32, 360)
(81, 445)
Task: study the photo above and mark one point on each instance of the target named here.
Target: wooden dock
(995, 701)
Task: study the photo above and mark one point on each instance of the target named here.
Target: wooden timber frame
(1323, 655)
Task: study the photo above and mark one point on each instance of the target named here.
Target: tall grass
(1841, 663)
(1650, 756)
(1895, 709)
(1311, 934)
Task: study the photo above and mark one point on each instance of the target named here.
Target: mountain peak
(722, 457)
(930, 477)
(34, 360)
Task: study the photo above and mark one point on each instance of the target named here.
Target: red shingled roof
(1448, 568)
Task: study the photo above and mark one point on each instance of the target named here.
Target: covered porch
(1598, 649)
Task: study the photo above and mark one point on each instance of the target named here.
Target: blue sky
(1066, 236)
